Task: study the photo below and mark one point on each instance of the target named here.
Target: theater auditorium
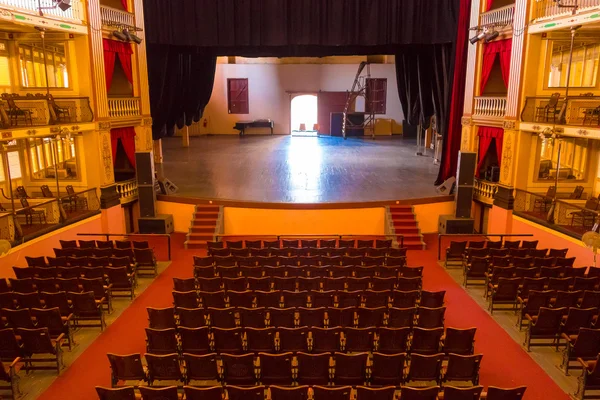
(299, 199)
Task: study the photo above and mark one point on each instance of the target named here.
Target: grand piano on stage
(257, 123)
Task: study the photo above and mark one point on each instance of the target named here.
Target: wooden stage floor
(298, 169)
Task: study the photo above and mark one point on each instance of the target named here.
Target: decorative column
(158, 154)
(99, 163)
(138, 10)
(97, 60)
(471, 62)
(467, 141)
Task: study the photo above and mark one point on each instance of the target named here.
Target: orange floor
(504, 364)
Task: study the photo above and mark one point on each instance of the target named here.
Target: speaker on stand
(461, 221)
(149, 221)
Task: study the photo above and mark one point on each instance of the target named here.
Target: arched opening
(304, 115)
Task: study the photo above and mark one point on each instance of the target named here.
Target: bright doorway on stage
(304, 115)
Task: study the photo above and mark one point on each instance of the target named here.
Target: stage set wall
(428, 215)
(109, 221)
(271, 87)
(182, 214)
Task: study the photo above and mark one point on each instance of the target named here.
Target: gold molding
(105, 125)
(509, 124)
(147, 121)
(466, 121)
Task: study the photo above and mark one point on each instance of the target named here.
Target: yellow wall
(428, 215)
(254, 221)
(182, 214)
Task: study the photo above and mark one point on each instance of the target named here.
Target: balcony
(39, 216)
(112, 18)
(124, 107)
(76, 13)
(486, 107)
(485, 191)
(549, 9)
(580, 111)
(23, 112)
(128, 191)
(499, 16)
(563, 215)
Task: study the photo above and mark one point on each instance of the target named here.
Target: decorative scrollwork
(509, 124)
(104, 125)
(466, 121)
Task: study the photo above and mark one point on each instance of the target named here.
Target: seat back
(36, 341)
(350, 369)
(332, 393)
(463, 367)
(194, 340)
(201, 367)
(238, 369)
(120, 393)
(313, 369)
(496, 393)
(163, 367)
(426, 341)
(427, 393)
(203, 393)
(161, 341)
(161, 393)
(425, 367)
(458, 393)
(459, 341)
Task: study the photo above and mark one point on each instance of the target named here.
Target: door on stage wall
(304, 115)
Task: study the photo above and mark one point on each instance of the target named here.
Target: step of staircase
(406, 225)
(202, 226)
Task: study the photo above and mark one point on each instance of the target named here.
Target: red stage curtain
(486, 135)
(124, 3)
(451, 145)
(111, 49)
(127, 137)
(503, 49)
(489, 4)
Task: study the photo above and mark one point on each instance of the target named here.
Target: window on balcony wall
(4, 68)
(14, 162)
(33, 70)
(584, 67)
(574, 157)
(43, 155)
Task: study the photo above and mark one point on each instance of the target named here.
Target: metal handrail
(108, 235)
(501, 235)
(335, 236)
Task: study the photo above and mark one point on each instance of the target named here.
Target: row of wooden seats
(104, 244)
(231, 317)
(477, 272)
(202, 340)
(311, 252)
(308, 271)
(300, 243)
(274, 260)
(315, 392)
(285, 298)
(377, 369)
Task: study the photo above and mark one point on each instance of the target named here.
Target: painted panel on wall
(254, 221)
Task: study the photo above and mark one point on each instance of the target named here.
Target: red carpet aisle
(504, 364)
(126, 335)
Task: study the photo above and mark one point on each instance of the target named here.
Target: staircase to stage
(202, 228)
(405, 224)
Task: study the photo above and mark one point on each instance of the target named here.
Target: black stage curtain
(314, 28)
(181, 82)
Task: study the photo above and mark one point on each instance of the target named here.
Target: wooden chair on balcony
(46, 192)
(30, 212)
(541, 203)
(586, 216)
(74, 201)
(577, 193)
(550, 110)
(590, 115)
(15, 112)
(63, 114)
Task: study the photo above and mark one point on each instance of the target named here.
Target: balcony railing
(548, 9)
(499, 16)
(575, 111)
(76, 12)
(128, 190)
(561, 215)
(489, 107)
(485, 191)
(124, 107)
(44, 215)
(112, 17)
(38, 110)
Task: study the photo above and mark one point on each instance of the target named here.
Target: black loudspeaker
(167, 187)
(147, 199)
(464, 201)
(465, 173)
(451, 224)
(144, 168)
(162, 223)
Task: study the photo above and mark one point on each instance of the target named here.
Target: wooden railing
(112, 17)
(548, 9)
(499, 16)
(123, 107)
(485, 191)
(489, 107)
(75, 12)
(128, 190)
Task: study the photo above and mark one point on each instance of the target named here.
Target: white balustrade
(127, 189)
(76, 12)
(489, 107)
(499, 16)
(485, 191)
(548, 9)
(124, 107)
(112, 17)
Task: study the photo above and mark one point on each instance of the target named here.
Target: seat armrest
(528, 317)
(15, 362)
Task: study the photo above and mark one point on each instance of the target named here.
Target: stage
(285, 169)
